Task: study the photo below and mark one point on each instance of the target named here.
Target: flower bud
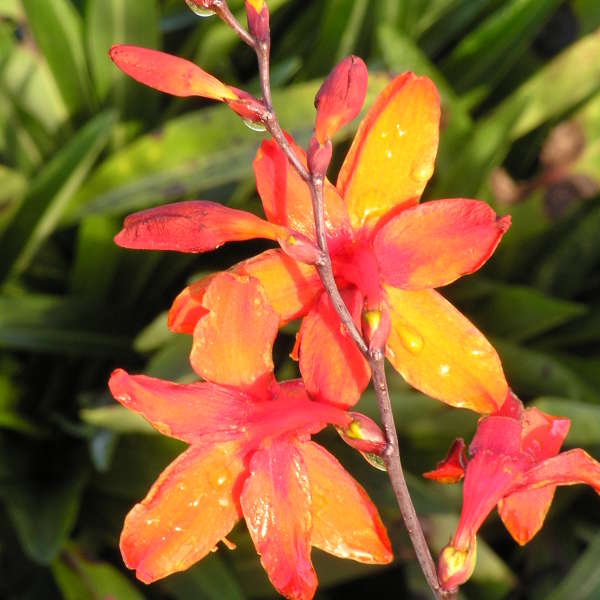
(455, 566)
(363, 434)
(341, 97)
(258, 19)
(247, 106)
(452, 468)
(300, 248)
(376, 327)
(318, 156)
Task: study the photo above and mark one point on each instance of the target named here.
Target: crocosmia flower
(250, 456)
(514, 466)
(387, 251)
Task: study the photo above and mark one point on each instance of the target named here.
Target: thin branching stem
(375, 357)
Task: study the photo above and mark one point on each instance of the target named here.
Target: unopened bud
(300, 248)
(452, 468)
(376, 327)
(341, 97)
(455, 565)
(363, 434)
(258, 19)
(247, 106)
(318, 156)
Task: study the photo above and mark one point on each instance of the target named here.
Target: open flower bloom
(250, 455)
(388, 253)
(514, 465)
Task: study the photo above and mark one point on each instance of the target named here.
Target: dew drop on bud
(198, 10)
(254, 125)
(410, 339)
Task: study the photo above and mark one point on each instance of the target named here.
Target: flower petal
(393, 153)
(542, 434)
(439, 352)
(291, 287)
(198, 412)
(433, 244)
(286, 198)
(192, 226)
(523, 513)
(233, 343)
(568, 468)
(332, 366)
(276, 503)
(192, 505)
(168, 73)
(345, 521)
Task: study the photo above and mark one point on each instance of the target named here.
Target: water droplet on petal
(201, 12)
(219, 478)
(374, 460)
(399, 130)
(388, 153)
(254, 125)
(223, 502)
(422, 173)
(444, 370)
(411, 339)
(177, 528)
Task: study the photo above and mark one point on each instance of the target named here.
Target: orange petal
(523, 513)
(542, 435)
(439, 352)
(291, 287)
(568, 468)
(198, 412)
(393, 153)
(437, 242)
(187, 308)
(233, 343)
(187, 511)
(193, 226)
(276, 504)
(345, 521)
(341, 97)
(169, 74)
(452, 468)
(286, 198)
(332, 366)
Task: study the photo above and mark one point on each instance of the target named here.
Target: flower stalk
(373, 355)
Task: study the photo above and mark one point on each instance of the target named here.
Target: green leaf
(50, 193)
(519, 313)
(534, 373)
(12, 187)
(210, 579)
(111, 22)
(58, 31)
(585, 419)
(116, 418)
(583, 580)
(82, 579)
(56, 325)
(565, 271)
(487, 53)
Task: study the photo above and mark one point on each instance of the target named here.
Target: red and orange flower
(387, 252)
(250, 455)
(514, 465)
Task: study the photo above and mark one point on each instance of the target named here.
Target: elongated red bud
(452, 468)
(248, 107)
(300, 248)
(258, 19)
(341, 97)
(169, 74)
(376, 325)
(318, 156)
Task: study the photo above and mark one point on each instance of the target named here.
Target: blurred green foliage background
(81, 146)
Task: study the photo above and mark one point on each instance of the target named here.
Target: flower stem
(375, 358)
